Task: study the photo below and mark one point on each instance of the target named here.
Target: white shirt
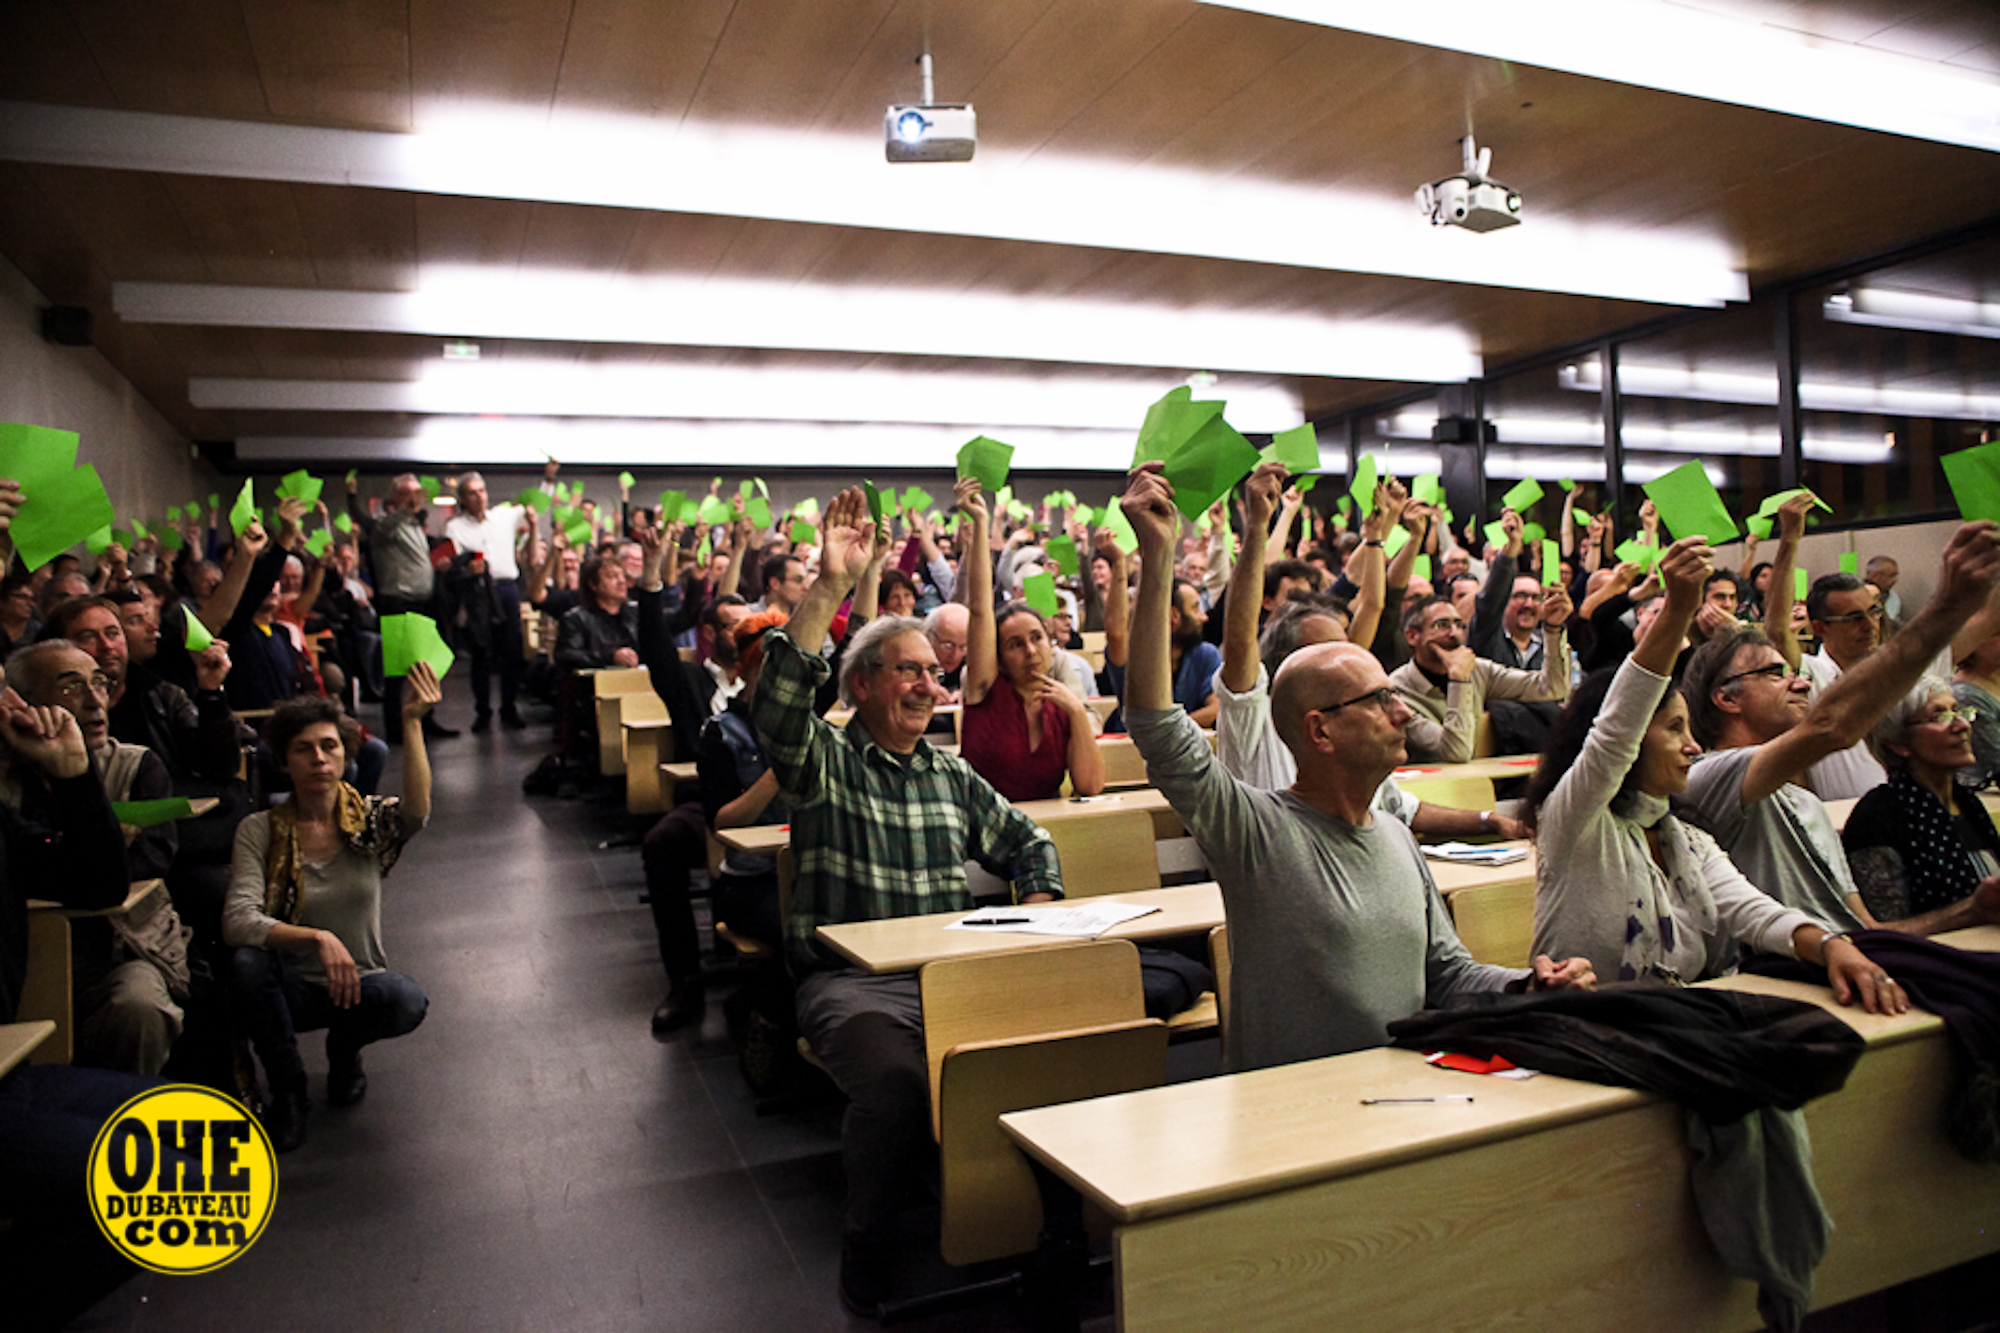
(494, 537)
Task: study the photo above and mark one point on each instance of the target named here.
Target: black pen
(996, 921)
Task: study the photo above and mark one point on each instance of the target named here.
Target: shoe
(346, 1081)
(438, 731)
(483, 722)
(683, 1005)
(285, 1118)
(512, 720)
(864, 1276)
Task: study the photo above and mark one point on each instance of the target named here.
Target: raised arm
(846, 544)
(982, 652)
(1246, 581)
(1854, 703)
(421, 694)
(1365, 612)
(1149, 506)
(221, 608)
(1117, 599)
(1684, 567)
(1778, 601)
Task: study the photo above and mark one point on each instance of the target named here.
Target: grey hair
(465, 479)
(865, 649)
(1906, 712)
(28, 672)
(1281, 635)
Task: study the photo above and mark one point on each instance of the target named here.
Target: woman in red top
(1022, 729)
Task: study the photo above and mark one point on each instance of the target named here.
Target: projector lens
(1513, 203)
(910, 127)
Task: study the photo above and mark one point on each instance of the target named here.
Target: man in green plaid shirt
(882, 825)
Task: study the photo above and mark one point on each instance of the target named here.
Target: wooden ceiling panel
(198, 350)
(480, 53)
(187, 56)
(345, 64)
(452, 229)
(247, 232)
(364, 240)
(776, 251)
(780, 62)
(680, 243)
(638, 57)
(966, 41)
(126, 220)
(594, 240)
(44, 57)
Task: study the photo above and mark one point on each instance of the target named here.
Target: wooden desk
(766, 839)
(18, 1039)
(646, 739)
(1497, 767)
(48, 989)
(1273, 1199)
(906, 943)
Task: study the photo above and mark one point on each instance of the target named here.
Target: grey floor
(530, 1158)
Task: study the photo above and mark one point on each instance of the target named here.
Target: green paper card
(1636, 552)
(123, 537)
(534, 497)
(1427, 488)
(302, 484)
(1850, 563)
(808, 506)
(1039, 592)
(670, 506)
(1297, 449)
(869, 489)
(243, 512)
(1974, 475)
(759, 511)
(170, 540)
(916, 499)
(60, 511)
(432, 487)
(98, 542)
(1582, 519)
(173, 513)
(1121, 526)
(625, 481)
(1689, 505)
(1759, 525)
(803, 533)
(713, 510)
(145, 814)
(987, 460)
(1566, 483)
(1063, 551)
(1398, 538)
(214, 502)
(1422, 568)
(1801, 584)
(690, 513)
(1552, 555)
(352, 474)
(197, 637)
(1363, 487)
(1201, 455)
(1305, 484)
(1522, 496)
(745, 487)
(1772, 502)
(317, 543)
(343, 523)
(1533, 532)
(28, 453)
(1342, 505)
(1496, 533)
(1003, 500)
(410, 638)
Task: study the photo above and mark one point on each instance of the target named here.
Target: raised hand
(968, 499)
(1148, 505)
(1685, 567)
(1792, 516)
(211, 665)
(1261, 496)
(421, 691)
(1511, 524)
(1971, 564)
(847, 539)
(1556, 607)
(46, 737)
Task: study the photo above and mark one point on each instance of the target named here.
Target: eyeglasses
(1946, 717)
(1775, 671)
(1852, 617)
(912, 672)
(1445, 623)
(1381, 698)
(71, 689)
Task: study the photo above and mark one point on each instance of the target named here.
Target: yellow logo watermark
(182, 1179)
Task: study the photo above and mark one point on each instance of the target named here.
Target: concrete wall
(145, 463)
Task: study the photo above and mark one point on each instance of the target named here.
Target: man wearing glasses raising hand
(1447, 686)
(1335, 926)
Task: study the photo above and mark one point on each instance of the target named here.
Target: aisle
(530, 1157)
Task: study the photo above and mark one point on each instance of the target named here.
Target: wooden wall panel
(344, 63)
(247, 232)
(126, 220)
(188, 56)
(361, 239)
(452, 229)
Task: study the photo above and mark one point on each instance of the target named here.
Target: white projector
(926, 133)
(1470, 200)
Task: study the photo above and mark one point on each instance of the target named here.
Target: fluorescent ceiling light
(473, 302)
(1761, 389)
(1678, 49)
(850, 449)
(529, 388)
(1920, 312)
(1718, 440)
(841, 180)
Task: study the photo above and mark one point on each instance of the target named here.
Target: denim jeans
(274, 1003)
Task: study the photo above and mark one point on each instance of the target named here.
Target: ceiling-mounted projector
(930, 131)
(1469, 199)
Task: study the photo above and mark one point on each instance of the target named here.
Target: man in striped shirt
(882, 826)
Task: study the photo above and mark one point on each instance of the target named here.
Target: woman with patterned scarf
(305, 905)
(1620, 879)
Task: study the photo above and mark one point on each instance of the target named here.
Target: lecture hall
(1037, 664)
